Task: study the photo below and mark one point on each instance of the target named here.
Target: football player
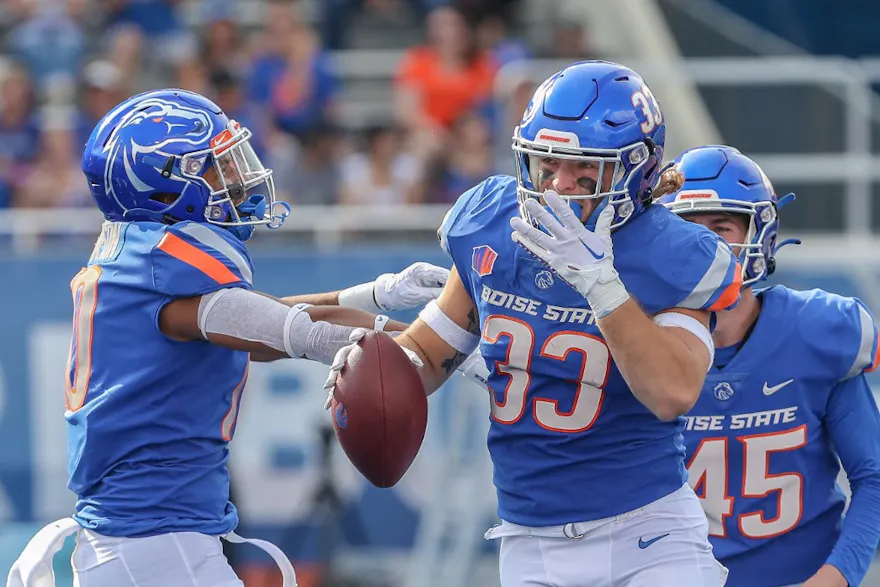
(785, 403)
(165, 324)
(591, 308)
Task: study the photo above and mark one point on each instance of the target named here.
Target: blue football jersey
(149, 418)
(568, 439)
(760, 457)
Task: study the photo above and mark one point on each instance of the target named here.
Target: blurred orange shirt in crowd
(445, 94)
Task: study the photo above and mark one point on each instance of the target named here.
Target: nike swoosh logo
(643, 544)
(595, 256)
(771, 390)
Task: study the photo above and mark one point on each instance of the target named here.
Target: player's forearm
(437, 366)
(853, 422)
(317, 299)
(350, 317)
(660, 370)
(854, 551)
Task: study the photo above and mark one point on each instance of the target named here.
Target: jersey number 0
(84, 287)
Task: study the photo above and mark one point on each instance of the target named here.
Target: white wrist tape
(381, 322)
(249, 316)
(454, 335)
(360, 296)
(604, 298)
(692, 325)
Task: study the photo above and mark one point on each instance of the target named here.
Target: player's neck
(734, 325)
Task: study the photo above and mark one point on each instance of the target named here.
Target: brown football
(380, 411)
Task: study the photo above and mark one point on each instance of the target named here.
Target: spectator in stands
(292, 77)
(221, 40)
(438, 82)
(493, 35)
(383, 173)
(49, 42)
(225, 88)
(466, 164)
(337, 15)
(55, 178)
(307, 172)
(151, 33)
(102, 89)
(19, 130)
(569, 41)
(513, 89)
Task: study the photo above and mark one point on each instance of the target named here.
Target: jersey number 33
(520, 337)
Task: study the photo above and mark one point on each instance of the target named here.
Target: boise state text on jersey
(760, 458)
(568, 439)
(149, 418)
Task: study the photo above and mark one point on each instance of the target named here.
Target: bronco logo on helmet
(171, 155)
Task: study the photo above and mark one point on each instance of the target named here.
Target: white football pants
(663, 544)
(181, 559)
(178, 559)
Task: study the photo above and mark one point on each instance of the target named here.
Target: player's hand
(342, 355)
(474, 369)
(584, 259)
(827, 576)
(413, 287)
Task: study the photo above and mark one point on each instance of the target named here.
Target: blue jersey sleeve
(697, 270)
(854, 425)
(862, 354)
(193, 259)
(841, 331)
(471, 211)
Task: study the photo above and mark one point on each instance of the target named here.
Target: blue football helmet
(598, 112)
(720, 179)
(173, 155)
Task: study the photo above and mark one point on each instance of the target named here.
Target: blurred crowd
(65, 63)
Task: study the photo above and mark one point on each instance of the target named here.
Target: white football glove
(584, 259)
(342, 356)
(413, 287)
(474, 369)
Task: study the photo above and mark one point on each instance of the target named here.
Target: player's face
(569, 177)
(227, 167)
(733, 228)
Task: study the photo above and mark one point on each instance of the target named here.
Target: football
(379, 409)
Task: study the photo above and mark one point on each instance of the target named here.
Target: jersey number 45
(708, 474)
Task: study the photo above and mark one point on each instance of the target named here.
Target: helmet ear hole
(165, 198)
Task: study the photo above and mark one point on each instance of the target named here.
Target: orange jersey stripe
(876, 358)
(729, 296)
(210, 266)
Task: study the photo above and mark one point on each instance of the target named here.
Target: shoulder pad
(475, 209)
(192, 259)
(843, 328)
(698, 266)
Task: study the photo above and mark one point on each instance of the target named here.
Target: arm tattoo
(452, 363)
(473, 322)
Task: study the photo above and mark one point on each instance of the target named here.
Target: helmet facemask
(617, 168)
(242, 191)
(756, 253)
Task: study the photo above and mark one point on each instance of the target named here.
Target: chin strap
(256, 206)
